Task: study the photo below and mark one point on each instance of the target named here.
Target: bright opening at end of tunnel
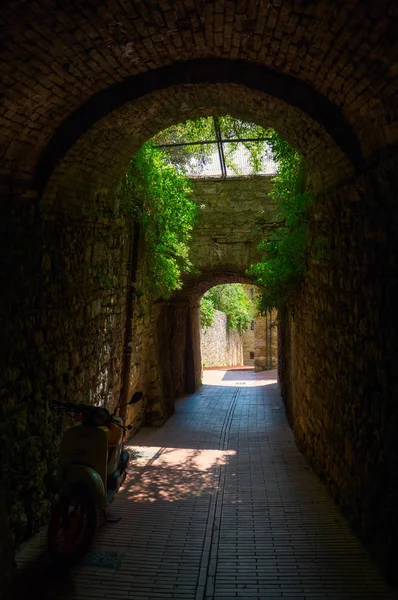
(235, 377)
(234, 334)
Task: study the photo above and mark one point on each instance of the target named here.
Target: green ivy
(157, 195)
(230, 299)
(283, 264)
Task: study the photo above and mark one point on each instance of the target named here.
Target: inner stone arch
(97, 159)
(195, 287)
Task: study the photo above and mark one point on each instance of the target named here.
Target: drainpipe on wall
(128, 336)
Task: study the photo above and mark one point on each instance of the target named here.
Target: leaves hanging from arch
(159, 197)
(284, 255)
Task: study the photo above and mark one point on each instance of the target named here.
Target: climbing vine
(284, 255)
(230, 299)
(157, 195)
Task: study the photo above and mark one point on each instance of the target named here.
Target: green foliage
(196, 157)
(157, 195)
(235, 128)
(231, 299)
(283, 265)
(207, 312)
(184, 157)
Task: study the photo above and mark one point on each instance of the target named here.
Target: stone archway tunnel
(83, 86)
(234, 215)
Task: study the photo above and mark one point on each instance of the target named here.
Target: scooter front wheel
(72, 526)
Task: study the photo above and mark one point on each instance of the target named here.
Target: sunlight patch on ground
(142, 454)
(187, 458)
(175, 474)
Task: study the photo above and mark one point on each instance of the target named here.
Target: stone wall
(233, 216)
(248, 347)
(219, 346)
(266, 341)
(260, 341)
(339, 353)
(63, 342)
(69, 342)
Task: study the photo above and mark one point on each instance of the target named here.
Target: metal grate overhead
(221, 156)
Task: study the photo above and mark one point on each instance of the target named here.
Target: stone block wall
(266, 342)
(64, 342)
(248, 347)
(261, 339)
(232, 217)
(339, 355)
(219, 346)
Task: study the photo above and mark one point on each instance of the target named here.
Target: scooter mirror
(136, 398)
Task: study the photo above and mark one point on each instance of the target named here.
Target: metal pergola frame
(219, 141)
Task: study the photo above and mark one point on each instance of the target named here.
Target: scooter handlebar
(70, 406)
(87, 408)
(122, 426)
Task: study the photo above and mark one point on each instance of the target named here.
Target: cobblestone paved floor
(220, 505)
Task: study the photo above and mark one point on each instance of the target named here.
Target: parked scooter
(92, 467)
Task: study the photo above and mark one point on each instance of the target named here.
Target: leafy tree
(158, 196)
(235, 128)
(230, 299)
(283, 265)
(192, 157)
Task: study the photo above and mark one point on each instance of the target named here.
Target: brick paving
(220, 505)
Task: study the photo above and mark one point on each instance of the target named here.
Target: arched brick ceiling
(293, 94)
(103, 152)
(56, 56)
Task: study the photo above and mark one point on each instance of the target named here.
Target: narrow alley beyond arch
(220, 504)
